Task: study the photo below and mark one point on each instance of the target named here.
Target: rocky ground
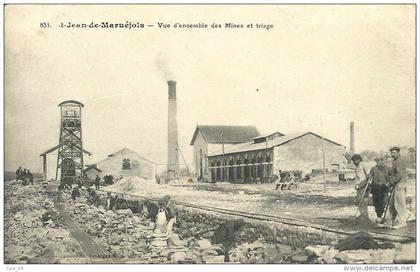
(129, 238)
(34, 232)
(43, 226)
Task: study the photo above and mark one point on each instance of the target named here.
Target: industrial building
(173, 147)
(124, 162)
(265, 155)
(212, 139)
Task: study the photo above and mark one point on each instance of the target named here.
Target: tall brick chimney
(352, 150)
(173, 159)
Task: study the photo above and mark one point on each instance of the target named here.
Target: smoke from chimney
(173, 159)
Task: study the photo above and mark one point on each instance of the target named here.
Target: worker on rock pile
(75, 193)
(361, 174)
(165, 218)
(398, 181)
(30, 177)
(93, 197)
(109, 198)
(79, 182)
(170, 214)
(19, 173)
(97, 180)
(379, 188)
(25, 177)
(225, 235)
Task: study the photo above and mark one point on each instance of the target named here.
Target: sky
(317, 69)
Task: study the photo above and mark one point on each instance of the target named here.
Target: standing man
(75, 193)
(398, 180)
(379, 189)
(25, 177)
(97, 179)
(30, 177)
(19, 174)
(169, 213)
(79, 182)
(361, 182)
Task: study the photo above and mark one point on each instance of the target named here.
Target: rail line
(278, 219)
(89, 247)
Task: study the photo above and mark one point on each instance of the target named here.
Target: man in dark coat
(152, 210)
(97, 180)
(93, 197)
(379, 189)
(19, 173)
(30, 177)
(75, 193)
(225, 234)
(25, 177)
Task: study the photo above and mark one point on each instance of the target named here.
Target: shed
(126, 163)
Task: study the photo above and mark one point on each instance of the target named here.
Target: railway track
(383, 236)
(89, 247)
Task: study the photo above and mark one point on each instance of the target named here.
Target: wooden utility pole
(223, 156)
(182, 156)
(267, 165)
(323, 157)
(44, 166)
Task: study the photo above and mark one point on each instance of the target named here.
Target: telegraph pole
(223, 156)
(323, 157)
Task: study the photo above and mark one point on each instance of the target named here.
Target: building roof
(70, 102)
(231, 134)
(57, 146)
(251, 146)
(265, 135)
(125, 150)
(92, 166)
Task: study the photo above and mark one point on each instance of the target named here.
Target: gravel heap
(33, 229)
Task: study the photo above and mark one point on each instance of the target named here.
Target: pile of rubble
(33, 229)
(130, 237)
(262, 252)
(322, 254)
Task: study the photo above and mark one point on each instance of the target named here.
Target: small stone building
(91, 171)
(126, 163)
(212, 139)
(264, 156)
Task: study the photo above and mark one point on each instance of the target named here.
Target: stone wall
(191, 221)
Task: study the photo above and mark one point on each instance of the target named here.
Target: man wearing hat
(398, 181)
(379, 188)
(361, 181)
(19, 173)
(165, 219)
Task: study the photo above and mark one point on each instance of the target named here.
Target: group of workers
(25, 176)
(388, 186)
(162, 214)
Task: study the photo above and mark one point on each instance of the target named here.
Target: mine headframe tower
(70, 146)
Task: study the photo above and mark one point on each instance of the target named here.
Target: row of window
(261, 172)
(261, 157)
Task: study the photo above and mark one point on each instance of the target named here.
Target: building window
(126, 165)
